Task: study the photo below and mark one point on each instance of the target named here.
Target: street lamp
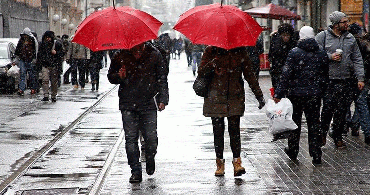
(63, 22)
(71, 27)
(55, 18)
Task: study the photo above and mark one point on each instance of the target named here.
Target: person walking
(143, 89)
(164, 42)
(361, 115)
(281, 43)
(95, 65)
(196, 54)
(187, 47)
(226, 97)
(303, 81)
(49, 60)
(344, 60)
(254, 53)
(26, 52)
(77, 58)
(66, 43)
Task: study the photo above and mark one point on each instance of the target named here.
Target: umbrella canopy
(219, 25)
(273, 11)
(116, 28)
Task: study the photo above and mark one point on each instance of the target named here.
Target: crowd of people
(46, 58)
(322, 75)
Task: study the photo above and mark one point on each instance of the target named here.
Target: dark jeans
(234, 133)
(80, 66)
(310, 105)
(133, 122)
(66, 75)
(338, 97)
(189, 58)
(94, 74)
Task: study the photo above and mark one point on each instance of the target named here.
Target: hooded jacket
(145, 79)
(351, 62)
(44, 57)
(305, 72)
(27, 51)
(226, 94)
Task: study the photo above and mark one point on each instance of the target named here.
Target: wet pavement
(91, 157)
(185, 162)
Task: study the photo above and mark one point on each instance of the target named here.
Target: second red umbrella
(219, 25)
(116, 28)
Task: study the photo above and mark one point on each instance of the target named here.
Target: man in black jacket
(281, 43)
(142, 76)
(49, 61)
(303, 80)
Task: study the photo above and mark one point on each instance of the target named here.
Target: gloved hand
(261, 102)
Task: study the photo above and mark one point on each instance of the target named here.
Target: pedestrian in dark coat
(303, 81)
(143, 89)
(95, 65)
(281, 43)
(26, 52)
(226, 97)
(49, 59)
(188, 50)
(361, 116)
(254, 53)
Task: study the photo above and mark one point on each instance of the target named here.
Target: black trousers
(234, 133)
(338, 97)
(78, 65)
(310, 105)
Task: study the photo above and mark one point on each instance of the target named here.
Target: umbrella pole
(222, 1)
(114, 7)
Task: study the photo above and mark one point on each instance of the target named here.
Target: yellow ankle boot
(220, 167)
(238, 169)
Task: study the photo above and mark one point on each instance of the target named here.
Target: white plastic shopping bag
(280, 117)
(13, 71)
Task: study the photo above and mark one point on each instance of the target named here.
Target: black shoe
(45, 99)
(136, 178)
(355, 132)
(316, 161)
(20, 93)
(367, 140)
(150, 165)
(53, 99)
(323, 141)
(290, 154)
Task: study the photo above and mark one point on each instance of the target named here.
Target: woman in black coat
(303, 81)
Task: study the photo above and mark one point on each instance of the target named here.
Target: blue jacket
(305, 72)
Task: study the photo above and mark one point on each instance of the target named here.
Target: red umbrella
(116, 28)
(219, 25)
(273, 11)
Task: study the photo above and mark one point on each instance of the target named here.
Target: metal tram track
(40, 152)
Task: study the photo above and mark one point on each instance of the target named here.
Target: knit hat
(306, 32)
(27, 31)
(336, 16)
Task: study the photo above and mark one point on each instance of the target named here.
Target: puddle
(25, 137)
